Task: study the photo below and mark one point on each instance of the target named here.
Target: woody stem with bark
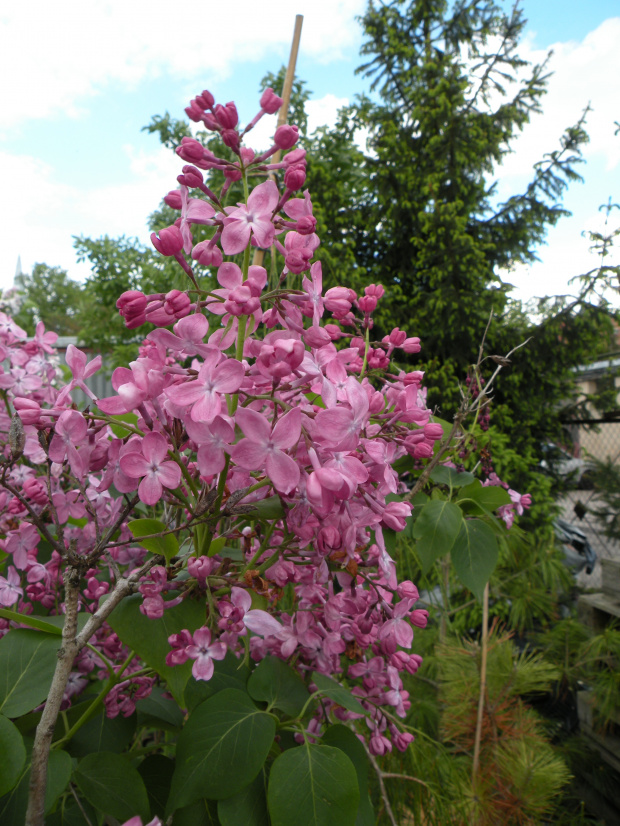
(45, 729)
(72, 642)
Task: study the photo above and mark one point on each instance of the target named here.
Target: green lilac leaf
(13, 806)
(313, 786)
(247, 807)
(341, 737)
(167, 546)
(436, 530)
(156, 772)
(488, 498)
(474, 555)
(27, 664)
(12, 755)
(444, 475)
(222, 748)
(277, 684)
(112, 785)
(340, 695)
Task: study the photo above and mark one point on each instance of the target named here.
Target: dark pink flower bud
(377, 290)
(227, 116)
(407, 590)
(132, 306)
(173, 199)
(269, 101)
(402, 740)
(34, 489)
(306, 225)
(191, 150)
(433, 432)
(233, 173)
(294, 157)
(207, 254)
(191, 177)
(247, 155)
(415, 377)
(338, 299)
(367, 303)
(231, 138)
(334, 332)
(316, 336)
(295, 177)
(177, 303)
(419, 617)
(202, 567)
(28, 410)
(286, 136)
(423, 450)
(207, 98)
(412, 345)
(395, 338)
(169, 242)
(194, 111)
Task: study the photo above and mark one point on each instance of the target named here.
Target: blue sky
(85, 77)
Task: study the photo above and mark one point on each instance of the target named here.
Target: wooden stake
(286, 99)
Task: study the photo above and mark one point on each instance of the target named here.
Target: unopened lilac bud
(231, 138)
(173, 199)
(227, 116)
(367, 303)
(190, 150)
(191, 177)
(233, 173)
(28, 410)
(194, 111)
(169, 242)
(132, 307)
(286, 136)
(269, 101)
(177, 303)
(306, 225)
(247, 155)
(295, 177)
(207, 254)
(412, 345)
(316, 336)
(433, 432)
(376, 290)
(424, 450)
(205, 99)
(294, 157)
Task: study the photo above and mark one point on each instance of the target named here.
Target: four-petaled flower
(150, 464)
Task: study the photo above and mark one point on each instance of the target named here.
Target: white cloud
(59, 55)
(43, 213)
(585, 72)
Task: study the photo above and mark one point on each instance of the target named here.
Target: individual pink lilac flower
(204, 392)
(187, 338)
(203, 652)
(213, 441)
(397, 630)
(45, 340)
(137, 821)
(68, 504)
(264, 448)
(253, 219)
(81, 370)
(69, 432)
(10, 590)
(151, 465)
(254, 619)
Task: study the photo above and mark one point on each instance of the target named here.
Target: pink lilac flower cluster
(264, 421)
